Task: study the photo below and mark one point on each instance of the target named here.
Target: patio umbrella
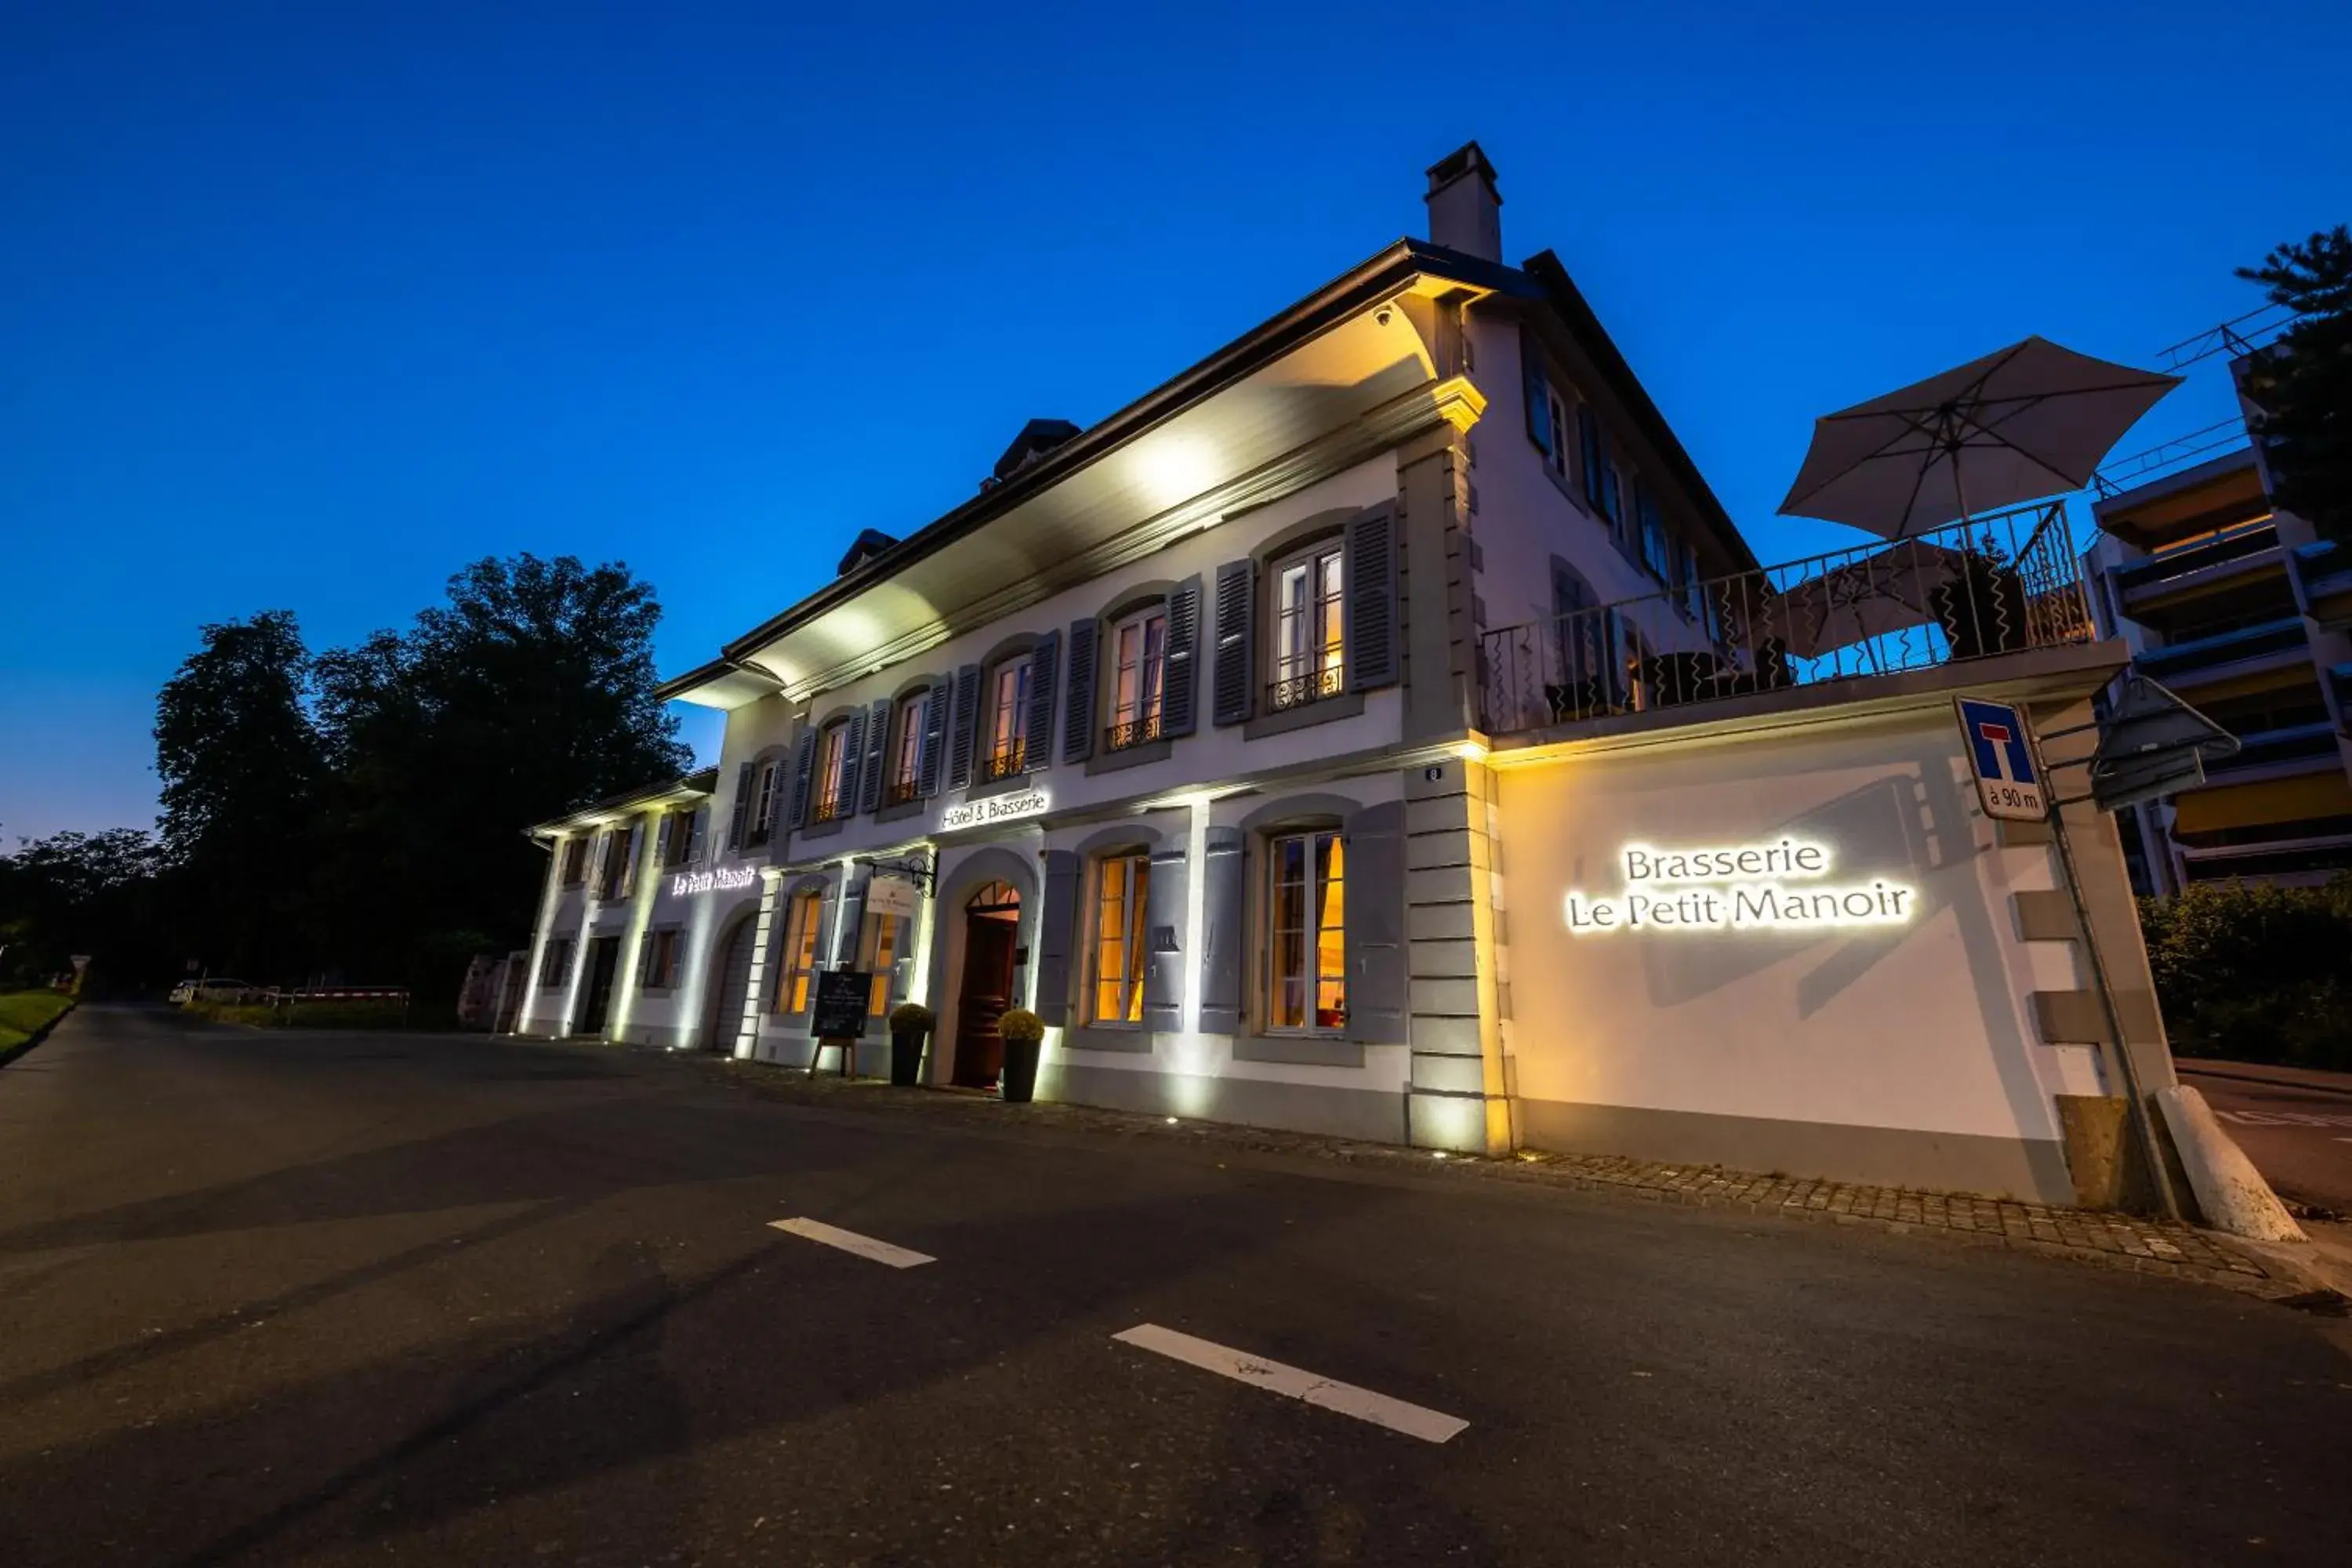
(2030, 421)
(1870, 597)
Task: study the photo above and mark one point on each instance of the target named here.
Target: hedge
(2255, 974)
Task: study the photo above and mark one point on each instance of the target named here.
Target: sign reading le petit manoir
(723, 879)
(1739, 886)
(993, 808)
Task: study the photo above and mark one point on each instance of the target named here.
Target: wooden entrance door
(986, 993)
(731, 977)
(603, 956)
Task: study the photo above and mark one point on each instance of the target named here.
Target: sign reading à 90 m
(1777, 886)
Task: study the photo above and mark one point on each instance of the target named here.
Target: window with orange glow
(1122, 888)
(1308, 969)
(803, 916)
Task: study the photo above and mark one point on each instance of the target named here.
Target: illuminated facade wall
(1803, 948)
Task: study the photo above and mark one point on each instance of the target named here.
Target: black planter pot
(1019, 1079)
(906, 1057)
(1982, 610)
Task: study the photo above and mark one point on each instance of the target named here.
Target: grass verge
(24, 1013)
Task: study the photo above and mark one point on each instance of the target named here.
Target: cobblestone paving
(2116, 1241)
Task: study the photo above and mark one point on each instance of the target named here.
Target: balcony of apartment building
(1845, 625)
(2322, 575)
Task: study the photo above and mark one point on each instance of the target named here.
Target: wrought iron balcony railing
(1308, 686)
(1995, 584)
(1131, 732)
(1002, 763)
(898, 792)
(824, 810)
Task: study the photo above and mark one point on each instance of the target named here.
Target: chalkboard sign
(841, 999)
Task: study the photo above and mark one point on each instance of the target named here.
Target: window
(905, 780)
(1555, 410)
(576, 862)
(1588, 451)
(1612, 491)
(554, 963)
(1657, 548)
(1308, 969)
(797, 979)
(661, 959)
(1122, 889)
(1001, 739)
(1307, 627)
(1139, 676)
(678, 838)
(832, 767)
(877, 953)
(613, 876)
(763, 805)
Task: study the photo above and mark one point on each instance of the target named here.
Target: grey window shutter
(1371, 596)
(1236, 597)
(1531, 370)
(1222, 933)
(1078, 710)
(844, 941)
(964, 727)
(935, 734)
(742, 807)
(1057, 936)
(1037, 725)
(1373, 938)
(1163, 941)
(694, 843)
(853, 758)
(1183, 677)
(804, 770)
(630, 843)
(877, 751)
(601, 847)
(645, 957)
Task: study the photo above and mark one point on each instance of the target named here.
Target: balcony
(1002, 762)
(2324, 571)
(1325, 680)
(1127, 733)
(1996, 585)
(2279, 750)
(2232, 560)
(2243, 651)
(827, 809)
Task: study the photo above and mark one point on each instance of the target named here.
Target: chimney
(1465, 211)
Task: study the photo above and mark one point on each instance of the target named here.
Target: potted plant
(1024, 1033)
(910, 1022)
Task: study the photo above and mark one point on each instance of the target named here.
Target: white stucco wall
(1923, 1026)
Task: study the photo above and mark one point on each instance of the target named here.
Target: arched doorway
(730, 980)
(992, 932)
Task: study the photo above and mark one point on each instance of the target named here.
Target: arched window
(995, 900)
(1122, 891)
(1004, 718)
(831, 799)
(796, 981)
(908, 719)
(1307, 621)
(1307, 962)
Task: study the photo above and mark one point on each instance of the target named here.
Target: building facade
(2244, 613)
(1186, 731)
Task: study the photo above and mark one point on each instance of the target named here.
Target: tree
(2302, 384)
(530, 693)
(240, 763)
(92, 893)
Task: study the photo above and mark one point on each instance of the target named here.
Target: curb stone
(10, 1053)
(2128, 1243)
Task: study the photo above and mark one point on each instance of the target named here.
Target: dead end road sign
(2010, 784)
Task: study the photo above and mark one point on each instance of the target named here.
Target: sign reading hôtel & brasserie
(993, 808)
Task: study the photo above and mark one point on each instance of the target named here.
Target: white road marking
(1413, 1420)
(850, 1241)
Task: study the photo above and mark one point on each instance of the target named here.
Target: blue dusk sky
(306, 305)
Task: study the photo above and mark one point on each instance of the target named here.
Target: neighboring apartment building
(1202, 733)
(2241, 611)
(1147, 698)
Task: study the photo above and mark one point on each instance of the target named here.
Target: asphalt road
(388, 1299)
(2294, 1125)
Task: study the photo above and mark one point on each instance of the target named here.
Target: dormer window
(1003, 733)
(1139, 678)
